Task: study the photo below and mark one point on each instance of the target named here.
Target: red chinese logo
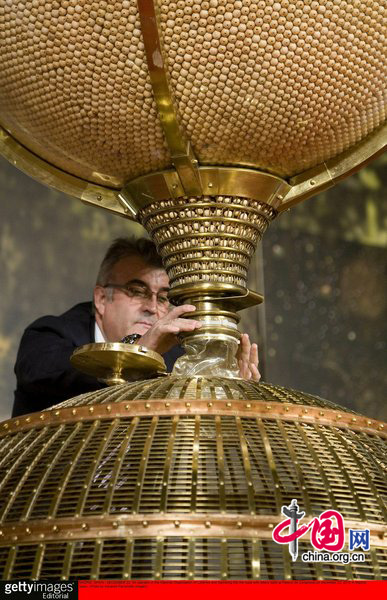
(327, 531)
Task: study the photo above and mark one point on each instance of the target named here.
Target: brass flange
(115, 363)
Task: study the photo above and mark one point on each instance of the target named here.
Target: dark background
(322, 328)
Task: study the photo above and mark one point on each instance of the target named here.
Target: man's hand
(162, 335)
(247, 357)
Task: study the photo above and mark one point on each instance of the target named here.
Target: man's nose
(151, 304)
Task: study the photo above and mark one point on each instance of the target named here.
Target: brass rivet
(145, 523)
(228, 404)
(41, 417)
(381, 426)
(268, 407)
(6, 425)
(167, 404)
(85, 526)
(188, 404)
(210, 185)
(270, 525)
(28, 419)
(287, 408)
(239, 524)
(42, 536)
(108, 408)
(369, 422)
(91, 409)
(17, 422)
(177, 523)
(207, 524)
(74, 411)
(321, 413)
(115, 525)
(55, 528)
(57, 413)
(126, 406)
(99, 197)
(338, 417)
(305, 410)
(147, 405)
(248, 405)
(14, 537)
(312, 182)
(28, 530)
(210, 405)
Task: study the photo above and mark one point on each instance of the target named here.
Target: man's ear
(100, 299)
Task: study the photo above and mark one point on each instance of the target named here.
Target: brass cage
(184, 478)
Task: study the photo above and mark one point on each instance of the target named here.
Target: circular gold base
(116, 363)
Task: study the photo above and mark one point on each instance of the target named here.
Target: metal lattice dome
(182, 478)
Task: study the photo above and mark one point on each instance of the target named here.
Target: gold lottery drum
(184, 478)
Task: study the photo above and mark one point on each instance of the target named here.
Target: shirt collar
(98, 335)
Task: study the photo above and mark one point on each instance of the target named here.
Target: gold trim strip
(329, 173)
(220, 461)
(68, 557)
(271, 463)
(191, 558)
(167, 465)
(223, 559)
(96, 564)
(159, 558)
(246, 466)
(9, 564)
(143, 464)
(170, 407)
(214, 525)
(256, 563)
(195, 463)
(44, 172)
(127, 567)
(180, 148)
(215, 181)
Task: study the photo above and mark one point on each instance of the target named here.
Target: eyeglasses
(141, 293)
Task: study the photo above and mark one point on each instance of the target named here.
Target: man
(130, 297)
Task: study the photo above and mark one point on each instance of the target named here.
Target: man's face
(120, 313)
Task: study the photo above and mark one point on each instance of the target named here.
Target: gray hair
(124, 248)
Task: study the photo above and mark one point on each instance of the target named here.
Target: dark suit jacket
(43, 371)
